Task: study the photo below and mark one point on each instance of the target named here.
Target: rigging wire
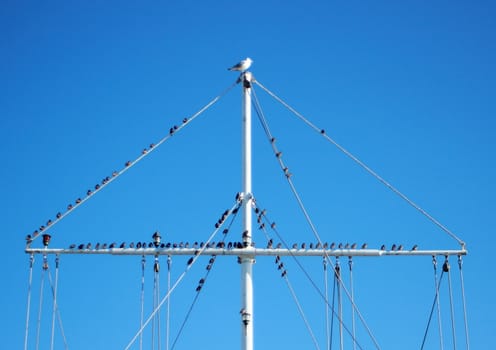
(305, 212)
(202, 283)
(437, 284)
(465, 321)
(353, 328)
(167, 332)
(328, 336)
(129, 164)
(337, 277)
(364, 166)
(28, 311)
(446, 268)
(54, 287)
(300, 309)
(56, 311)
(307, 275)
(40, 307)
(293, 293)
(174, 286)
(142, 298)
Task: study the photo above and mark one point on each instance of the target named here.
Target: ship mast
(246, 260)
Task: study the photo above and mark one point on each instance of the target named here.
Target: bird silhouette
(59, 215)
(364, 246)
(123, 245)
(415, 247)
(72, 246)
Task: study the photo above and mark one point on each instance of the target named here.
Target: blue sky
(407, 87)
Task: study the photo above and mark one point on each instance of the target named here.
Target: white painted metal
(248, 252)
(246, 260)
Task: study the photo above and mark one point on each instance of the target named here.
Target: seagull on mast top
(242, 66)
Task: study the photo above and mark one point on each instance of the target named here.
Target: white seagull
(242, 66)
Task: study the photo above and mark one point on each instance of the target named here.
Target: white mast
(246, 260)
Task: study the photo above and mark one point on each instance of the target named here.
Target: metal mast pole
(246, 260)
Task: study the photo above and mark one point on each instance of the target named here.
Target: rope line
(202, 282)
(328, 336)
(179, 279)
(40, 306)
(167, 333)
(54, 287)
(364, 166)
(28, 309)
(435, 302)
(465, 321)
(447, 269)
(304, 211)
(305, 272)
(353, 328)
(56, 307)
(142, 298)
(337, 276)
(128, 165)
(300, 309)
(280, 266)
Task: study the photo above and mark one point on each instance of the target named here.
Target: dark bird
(295, 245)
(225, 231)
(340, 245)
(97, 246)
(81, 246)
(145, 151)
(198, 288)
(88, 246)
(128, 163)
(138, 245)
(393, 247)
(325, 245)
(311, 246)
(364, 246)
(318, 246)
(112, 245)
(283, 273)
(131, 245)
(269, 244)
(383, 247)
(273, 225)
(303, 246)
(78, 201)
(415, 247)
(353, 246)
(97, 187)
(278, 258)
(104, 246)
(202, 281)
(123, 245)
(115, 173)
(190, 261)
(332, 245)
(278, 154)
(280, 266)
(150, 245)
(185, 120)
(400, 247)
(59, 215)
(49, 222)
(72, 246)
(35, 233)
(347, 246)
(322, 131)
(89, 192)
(69, 207)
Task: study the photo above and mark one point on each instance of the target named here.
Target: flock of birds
(226, 245)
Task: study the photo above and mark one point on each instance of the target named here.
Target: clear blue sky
(408, 87)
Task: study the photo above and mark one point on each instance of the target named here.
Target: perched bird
(415, 247)
(279, 246)
(332, 245)
(383, 247)
(81, 246)
(303, 246)
(364, 246)
(88, 246)
(393, 247)
(242, 66)
(131, 245)
(104, 246)
(97, 246)
(400, 247)
(72, 246)
(295, 246)
(353, 246)
(340, 245)
(123, 245)
(112, 245)
(59, 215)
(138, 245)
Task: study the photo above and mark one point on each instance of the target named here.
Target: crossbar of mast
(249, 252)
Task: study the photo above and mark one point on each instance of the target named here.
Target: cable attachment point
(446, 265)
(245, 317)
